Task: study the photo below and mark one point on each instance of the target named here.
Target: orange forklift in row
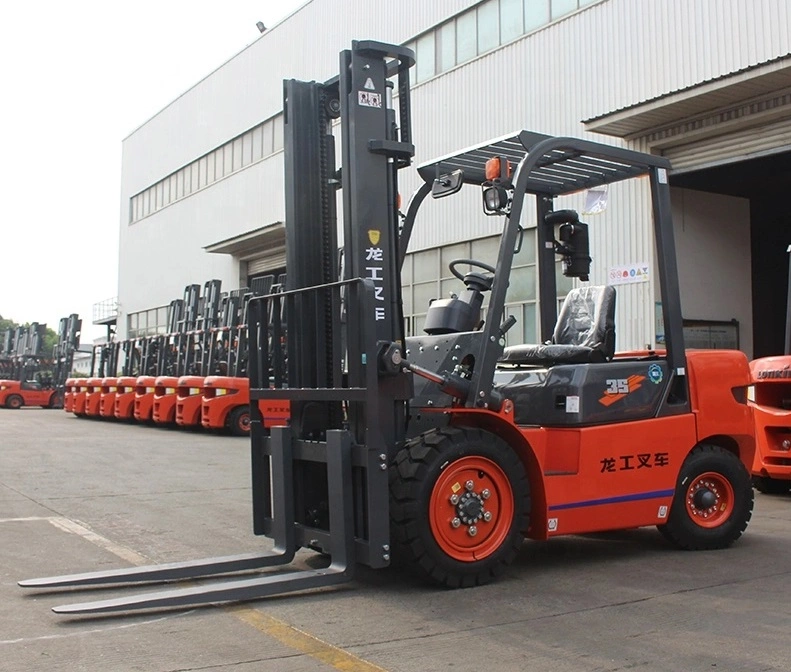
(447, 449)
(212, 343)
(226, 395)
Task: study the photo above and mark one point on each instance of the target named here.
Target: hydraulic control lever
(453, 384)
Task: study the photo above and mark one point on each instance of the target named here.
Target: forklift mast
(352, 413)
(68, 342)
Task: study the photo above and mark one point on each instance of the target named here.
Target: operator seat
(584, 332)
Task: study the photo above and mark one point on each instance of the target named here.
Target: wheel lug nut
(469, 485)
(485, 493)
(454, 499)
(455, 523)
(487, 516)
(472, 531)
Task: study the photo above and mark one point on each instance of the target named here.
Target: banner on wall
(621, 275)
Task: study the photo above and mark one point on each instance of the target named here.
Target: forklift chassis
(447, 450)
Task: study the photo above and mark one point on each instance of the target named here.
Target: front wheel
(713, 501)
(460, 505)
(239, 421)
(14, 402)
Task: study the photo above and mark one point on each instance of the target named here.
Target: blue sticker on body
(655, 374)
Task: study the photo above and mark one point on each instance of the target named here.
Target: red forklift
(226, 395)
(447, 449)
(771, 400)
(180, 354)
(225, 402)
(124, 405)
(69, 330)
(152, 358)
(103, 359)
(207, 341)
(109, 388)
(28, 374)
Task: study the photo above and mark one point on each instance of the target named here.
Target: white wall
(713, 243)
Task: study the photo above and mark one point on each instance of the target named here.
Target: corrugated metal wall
(605, 57)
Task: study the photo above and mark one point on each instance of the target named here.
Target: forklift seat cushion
(584, 333)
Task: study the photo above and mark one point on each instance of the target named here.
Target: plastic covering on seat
(584, 333)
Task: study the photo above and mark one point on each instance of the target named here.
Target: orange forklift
(447, 449)
(69, 330)
(225, 402)
(103, 361)
(179, 355)
(109, 388)
(202, 362)
(28, 377)
(124, 406)
(152, 360)
(226, 398)
(771, 401)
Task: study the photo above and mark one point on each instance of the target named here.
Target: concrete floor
(78, 495)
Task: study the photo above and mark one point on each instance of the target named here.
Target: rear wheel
(460, 505)
(771, 486)
(239, 421)
(14, 401)
(713, 501)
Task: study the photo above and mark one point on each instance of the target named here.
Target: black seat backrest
(587, 318)
(584, 332)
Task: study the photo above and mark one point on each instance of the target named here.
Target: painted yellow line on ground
(283, 632)
(303, 641)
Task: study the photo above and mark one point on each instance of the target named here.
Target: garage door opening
(766, 184)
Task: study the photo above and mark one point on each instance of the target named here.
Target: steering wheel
(483, 280)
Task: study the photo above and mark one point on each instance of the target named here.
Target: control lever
(452, 384)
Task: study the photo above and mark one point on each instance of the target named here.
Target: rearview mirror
(445, 185)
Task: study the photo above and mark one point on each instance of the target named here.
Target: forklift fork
(340, 570)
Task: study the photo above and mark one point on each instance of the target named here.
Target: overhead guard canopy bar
(566, 165)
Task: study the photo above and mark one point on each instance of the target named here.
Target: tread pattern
(681, 530)
(412, 477)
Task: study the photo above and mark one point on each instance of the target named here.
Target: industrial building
(705, 83)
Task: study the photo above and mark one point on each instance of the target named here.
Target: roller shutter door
(272, 260)
(738, 145)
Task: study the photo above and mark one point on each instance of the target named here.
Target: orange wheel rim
(244, 422)
(471, 508)
(710, 499)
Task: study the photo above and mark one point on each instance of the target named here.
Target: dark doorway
(766, 182)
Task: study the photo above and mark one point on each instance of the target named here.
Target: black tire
(239, 421)
(771, 486)
(713, 501)
(14, 401)
(419, 514)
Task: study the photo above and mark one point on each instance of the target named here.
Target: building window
(252, 146)
(147, 322)
(426, 277)
(446, 46)
(466, 37)
(482, 28)
(512, 21)
(536, 14)
(425, 56)
(488, 25)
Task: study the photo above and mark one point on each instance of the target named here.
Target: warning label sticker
(369, 99)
